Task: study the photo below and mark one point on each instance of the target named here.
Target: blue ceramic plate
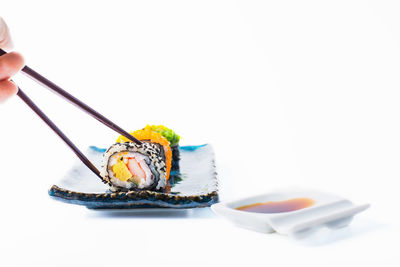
(194, 185)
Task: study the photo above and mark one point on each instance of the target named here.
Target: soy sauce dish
(296, 213)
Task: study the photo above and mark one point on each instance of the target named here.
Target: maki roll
(129, 166)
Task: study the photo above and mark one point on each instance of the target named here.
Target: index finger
(10, 64)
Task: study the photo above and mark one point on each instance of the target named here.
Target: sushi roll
(129, 166)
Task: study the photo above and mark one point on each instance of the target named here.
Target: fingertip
(7, 90)
(10, 64)
(17, 61)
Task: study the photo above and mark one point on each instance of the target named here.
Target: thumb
(5, 38)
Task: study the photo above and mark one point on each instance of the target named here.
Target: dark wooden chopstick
(61, 92)
(43, 116)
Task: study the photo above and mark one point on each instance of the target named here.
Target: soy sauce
(278, 206)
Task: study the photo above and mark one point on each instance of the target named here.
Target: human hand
(10, 64)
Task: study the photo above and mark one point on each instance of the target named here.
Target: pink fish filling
(137, 166)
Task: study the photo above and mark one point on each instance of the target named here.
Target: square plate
(194, 185)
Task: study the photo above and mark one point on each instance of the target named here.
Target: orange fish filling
(154, 137)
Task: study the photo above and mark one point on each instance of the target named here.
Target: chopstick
(43, 116)
(64, 94)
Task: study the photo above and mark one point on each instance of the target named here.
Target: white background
(288, 92)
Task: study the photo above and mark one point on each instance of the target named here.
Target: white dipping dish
(328, 210)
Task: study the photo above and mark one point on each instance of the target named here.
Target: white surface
(288, 92)
(328, 211)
